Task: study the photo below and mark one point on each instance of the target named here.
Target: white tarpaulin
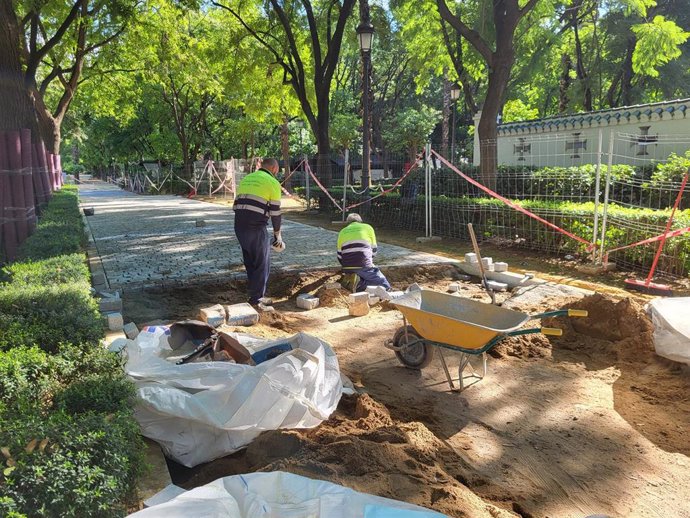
(277, 495)
(671, 319)
(198, 412)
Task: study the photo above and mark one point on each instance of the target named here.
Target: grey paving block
(149, 241)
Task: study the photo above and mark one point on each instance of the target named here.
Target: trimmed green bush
(99, 393)
(46, 316)
(25, 378)
(64, 269)
(67, 465)
(70, 444)
(60, 229)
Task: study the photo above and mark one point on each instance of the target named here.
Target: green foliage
(46, 316)
(673, 170)
(410, 128)
(25, 378)
(658, 43)
(60, 230)
(517, 110)
(562, 180)
(71, 446)
(63, 269)
(71, 465)
(104, 393)
(345, 130)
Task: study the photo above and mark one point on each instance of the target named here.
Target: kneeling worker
(356, 251)
(257, 199)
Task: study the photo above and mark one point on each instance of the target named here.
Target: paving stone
(213, 315)
(97, 279)
(471, 257)
(358, 304)
(497, 286)
(114, 321)
(110, 304)
(307, 301)
(242, 314)
(149, 241)
(500, 267)
(131, 330)
(333, 286)
(454, 287)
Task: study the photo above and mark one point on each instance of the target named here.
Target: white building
(640, 134)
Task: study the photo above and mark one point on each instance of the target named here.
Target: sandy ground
(591, 422)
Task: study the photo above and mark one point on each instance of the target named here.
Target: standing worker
(356, 250)
(258, 198)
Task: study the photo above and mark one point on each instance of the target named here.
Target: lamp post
(454, 95)
(365, 35)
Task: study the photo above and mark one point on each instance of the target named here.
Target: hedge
(69, 443)
(492, 218)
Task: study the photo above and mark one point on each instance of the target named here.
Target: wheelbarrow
(443, 321)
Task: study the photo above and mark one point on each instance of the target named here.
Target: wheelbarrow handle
(551, 331)
(561, 313)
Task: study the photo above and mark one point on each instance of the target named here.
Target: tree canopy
(172, 81)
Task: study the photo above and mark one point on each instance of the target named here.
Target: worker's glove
(277, 243)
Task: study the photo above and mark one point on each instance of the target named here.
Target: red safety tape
(292, 172)
(395, 185)
(590, 246)
(322, 187)
(672, 233)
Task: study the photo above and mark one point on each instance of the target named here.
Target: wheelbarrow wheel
(418, 354)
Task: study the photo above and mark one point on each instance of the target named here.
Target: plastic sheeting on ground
(277, 495)
(670, 317)
(198, 412)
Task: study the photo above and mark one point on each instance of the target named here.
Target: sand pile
(622, 323)
(362, 447)
(619, 327)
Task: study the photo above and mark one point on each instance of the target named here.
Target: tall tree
(499, 56)
(304, 39)
(50, 44)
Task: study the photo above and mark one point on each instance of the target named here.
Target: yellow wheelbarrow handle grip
(578, 313)
(552, 331)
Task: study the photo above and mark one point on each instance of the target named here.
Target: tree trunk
(488, 125)
(445, 123)
(626, 79)
(564, 84)
(285, 148)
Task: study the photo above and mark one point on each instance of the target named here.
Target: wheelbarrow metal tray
(457, 321)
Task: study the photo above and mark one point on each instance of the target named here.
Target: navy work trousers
(371, 277)
(256, 253)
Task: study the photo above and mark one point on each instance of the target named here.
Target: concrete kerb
(159, 476)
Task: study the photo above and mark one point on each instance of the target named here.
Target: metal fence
(612, 195)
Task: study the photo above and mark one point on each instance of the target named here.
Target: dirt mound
(611, 319)
(361, 446)
(402, 277)
(620, 327)
(525, 346)
(622, 323)
(332, 298)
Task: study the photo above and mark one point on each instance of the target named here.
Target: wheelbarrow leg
(445, 369)
(464, 362)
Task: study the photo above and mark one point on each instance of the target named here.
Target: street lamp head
(365, 34)
(455, 92)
